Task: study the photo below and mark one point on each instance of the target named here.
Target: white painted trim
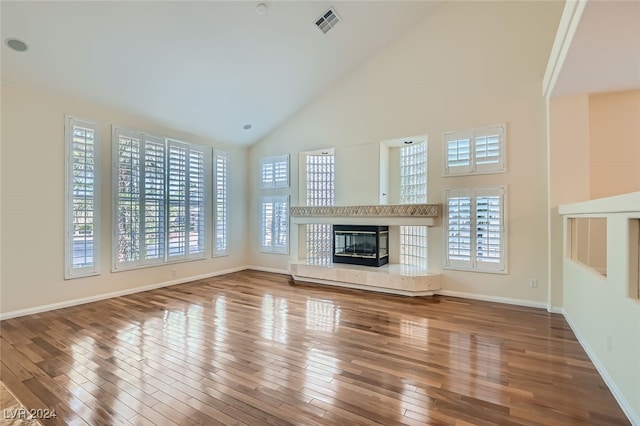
(364, 287)
(498, 299)
(82, 301)
(633, 417)
(569, 21)
(555, 310)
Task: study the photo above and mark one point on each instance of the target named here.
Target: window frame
(272, 247)
(474, 264)
(474, 166)
(271, 179)
(218, 202)
(166, 257)
(86, 271)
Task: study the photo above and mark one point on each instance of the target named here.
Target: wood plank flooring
(253, 348)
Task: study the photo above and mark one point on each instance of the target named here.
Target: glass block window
(413, 173)
(413, 246)
(320, 177)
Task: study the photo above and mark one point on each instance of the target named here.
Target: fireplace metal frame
(376, 255)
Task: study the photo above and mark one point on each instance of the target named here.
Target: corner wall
(468, 64)
(33, 199)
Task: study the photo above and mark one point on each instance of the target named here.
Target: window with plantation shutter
(159, 200)
(274, 220)
(220, 203)
(475, 151)
(475, 227)
(274, 172)
(82, 200)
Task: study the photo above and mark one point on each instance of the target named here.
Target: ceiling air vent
(327, 21)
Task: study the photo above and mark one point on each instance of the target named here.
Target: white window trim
(473, 265)
(273, 248)
(69, 271)
(219, 252)
(472, 168)
(274, 162)
(166, 258)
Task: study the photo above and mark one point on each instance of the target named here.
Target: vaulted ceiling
(206, 68)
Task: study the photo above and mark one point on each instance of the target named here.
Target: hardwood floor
(250, 348)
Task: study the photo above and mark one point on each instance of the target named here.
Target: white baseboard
(555, 310)
(498, 299)
(82, 301)
(628, 410)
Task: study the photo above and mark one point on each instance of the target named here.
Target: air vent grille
(327, 21)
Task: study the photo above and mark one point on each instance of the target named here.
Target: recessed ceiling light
(17, 45)
(261, 9)
(247, 126)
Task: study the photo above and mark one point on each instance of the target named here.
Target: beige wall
(469, 64)
(600, 309)
(614, 131)
(33, 195)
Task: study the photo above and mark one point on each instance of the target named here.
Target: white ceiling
(205, 68)
(605, 52)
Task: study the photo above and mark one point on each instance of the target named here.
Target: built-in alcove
(587, 242)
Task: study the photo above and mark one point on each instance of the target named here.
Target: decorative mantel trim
(383, 210)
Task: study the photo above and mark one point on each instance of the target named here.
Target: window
(274, 172)
(475, 223)
(413, 190)
(159, 200)
(320, 191)
(475, 151)
(274, 220)
(413, 246)
(220, 203)
(413, 173)
(82, 217)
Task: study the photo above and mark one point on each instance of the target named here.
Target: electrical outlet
(533, 283)
(609, 343)
(173, 272)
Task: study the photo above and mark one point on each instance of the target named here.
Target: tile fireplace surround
(391, 278)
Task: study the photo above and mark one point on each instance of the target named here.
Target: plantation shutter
(220, 193)
(274, 172)
(489, 242)
(458, 242)
(128, 197)
(82, 211)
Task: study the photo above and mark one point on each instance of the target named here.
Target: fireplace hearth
(361, 244)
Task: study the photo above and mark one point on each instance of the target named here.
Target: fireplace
(361, 244)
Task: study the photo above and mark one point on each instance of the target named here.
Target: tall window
(159, 199)
(476, 229)
(320, 174)
(475, 151)
(413, 173)
(220, 203)
(82, 206)
(413, 190)
(274, 219)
